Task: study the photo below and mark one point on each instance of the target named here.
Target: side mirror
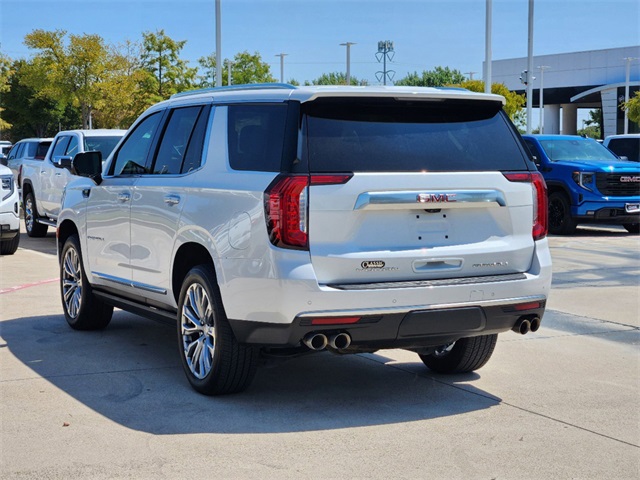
(88, 164)
(62, 161)
(624, 157)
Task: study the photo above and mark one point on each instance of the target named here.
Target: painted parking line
(27, 285)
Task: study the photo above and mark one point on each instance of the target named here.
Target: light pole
(218, 47)
(282, 55)
(542, 69)
(487, 48)
(229, 65)
(530, 68)
(348, 45)
(626, 92)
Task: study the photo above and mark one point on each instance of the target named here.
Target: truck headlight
(584, 179)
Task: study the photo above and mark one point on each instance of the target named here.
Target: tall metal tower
(385, 51)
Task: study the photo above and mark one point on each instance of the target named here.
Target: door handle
(172, 199)
(124, 197)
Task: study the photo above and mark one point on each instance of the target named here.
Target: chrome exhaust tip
(522, 326)
(315, 341)
(535, 324)
(340, 341)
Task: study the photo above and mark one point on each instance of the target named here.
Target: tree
(32, 114)
(514, 102)
(5, 74)
(68, 73)
(632, 106)
(126, 92)
(161, 59)
(336, 78)
(246, 68)
(438, 77)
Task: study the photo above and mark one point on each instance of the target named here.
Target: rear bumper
(438, 325)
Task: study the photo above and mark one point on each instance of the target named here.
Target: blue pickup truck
(586, 182)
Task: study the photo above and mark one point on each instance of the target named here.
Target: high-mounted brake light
(540, 211)
(286, 207)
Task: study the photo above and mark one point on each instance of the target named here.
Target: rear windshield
(388, 135)
(105, 145)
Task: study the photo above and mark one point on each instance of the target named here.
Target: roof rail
(230, 88)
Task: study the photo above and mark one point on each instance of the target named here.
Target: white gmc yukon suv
(270, 219)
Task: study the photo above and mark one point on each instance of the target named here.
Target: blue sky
(426, 33)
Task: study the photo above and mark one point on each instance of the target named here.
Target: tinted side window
(193, 156)
(256, 136)
(72, 149)
(30, 149)
(175, 140)
(626, 147)
(15, 151)
(41, 151)
(132, 155)
(60, 147)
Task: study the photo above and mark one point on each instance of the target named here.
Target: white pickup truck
(44, 181)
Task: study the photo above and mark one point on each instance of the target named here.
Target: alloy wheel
(198, 331)
(72, 282)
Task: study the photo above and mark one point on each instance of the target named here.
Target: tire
(82, 309)
(214, 362)
(34, 229)
(465, 355)
(9, 247)
(560, 220)
(632, 227)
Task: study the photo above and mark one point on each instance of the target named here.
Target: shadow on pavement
(131, 374)
(46, 244)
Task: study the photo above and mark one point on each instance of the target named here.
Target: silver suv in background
(43, 181)
(26, 150)
(270, 219)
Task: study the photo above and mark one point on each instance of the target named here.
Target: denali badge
(435, 197)
(372, 264)
(630, 179)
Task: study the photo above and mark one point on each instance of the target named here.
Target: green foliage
(5, 74)
(336, 78)
(633, 108)
(246, 68)
(30, 114)
(592, 131)
(161, 59)
(514, 102)
(69, 72)
(438, 77)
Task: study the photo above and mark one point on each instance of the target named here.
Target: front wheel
(464, 355)
(632, 227)
(82, 309)
(214, 362)
(560, 220)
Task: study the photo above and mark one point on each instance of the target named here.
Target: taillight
(286, 208)
(540, 211)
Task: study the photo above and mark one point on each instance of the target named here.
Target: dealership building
(591, 79)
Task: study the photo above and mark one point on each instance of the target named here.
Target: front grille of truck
(611, 185)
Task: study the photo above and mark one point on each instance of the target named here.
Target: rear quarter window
(387, 135)
(256, 136)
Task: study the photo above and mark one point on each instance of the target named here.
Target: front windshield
(576, 149)
(104, 145)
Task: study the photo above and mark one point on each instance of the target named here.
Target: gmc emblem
(436, 197)
(629, 179)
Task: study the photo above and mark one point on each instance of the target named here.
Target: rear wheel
(464, 355)
(632, 227)
(560, 220)
(34, 229)
(214, 362)
(82, 310)
(9, 247)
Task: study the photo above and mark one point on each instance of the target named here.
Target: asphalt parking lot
(563, 402)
